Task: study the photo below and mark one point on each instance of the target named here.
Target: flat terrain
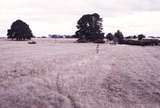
(63, 74)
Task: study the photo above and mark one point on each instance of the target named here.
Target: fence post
(97, 48)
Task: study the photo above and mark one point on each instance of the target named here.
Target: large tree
(20, 31)
(90, 28)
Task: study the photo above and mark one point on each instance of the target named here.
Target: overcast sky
(60, 16)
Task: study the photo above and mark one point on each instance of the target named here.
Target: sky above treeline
(45, 17)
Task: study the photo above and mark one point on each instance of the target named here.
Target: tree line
(89, 30)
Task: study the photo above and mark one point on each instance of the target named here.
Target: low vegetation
(132, 40)
(64, 74)
(32, 42)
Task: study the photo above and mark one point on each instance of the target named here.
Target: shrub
(109, 36)
(119, 36)
(32, 42)
(141, 36)
(143, 42)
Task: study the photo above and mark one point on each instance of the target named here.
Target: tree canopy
(20, 31)
(90, 28)
(141, 36)
(110, 36)
(119, 36)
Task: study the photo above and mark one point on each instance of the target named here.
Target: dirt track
(63, 74)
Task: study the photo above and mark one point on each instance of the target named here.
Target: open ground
(63, 74)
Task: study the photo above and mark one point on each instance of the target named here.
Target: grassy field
(63, 74)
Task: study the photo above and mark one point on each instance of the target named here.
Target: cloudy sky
(60, 16)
